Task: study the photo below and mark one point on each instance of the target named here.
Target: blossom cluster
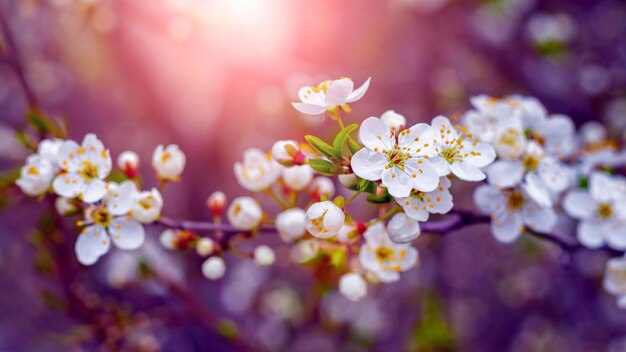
(530, 168)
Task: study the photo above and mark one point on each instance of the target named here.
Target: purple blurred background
(218, 76)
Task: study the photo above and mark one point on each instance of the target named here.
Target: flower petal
(539, 218)
(68, 185)
(309, 109)
(338, 91)
(578, 204)
(488, 199)
(589, 235)
(375, 135)
(398, 182)
(121, 198)
(505, 173)
(127, 233)
(424, 176)
(467, 172)
(95, 190)
(537, 190)
(419, 140)
(507, 227)
(359, 92)
(368, 164)
(92, 243)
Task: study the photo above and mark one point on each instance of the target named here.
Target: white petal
(334, 219)
(375, 135)
(122, 199)
(441, 165)
(601, 187)
(403, 229)
(507, 227)
(309, 96)
(615, 232)
(505, 173)
(488, 199)
(537, 190)
(408, 258)
(419, 140)
(466, 171)
(359, 92)
(589, 234)
(68, 185)
(398, 182)
(443, 130)
(413, 207)
(338, 91)
(309, 109)
(368, 164)
(127, 233)
(554, 176)
(94, 191)
(387, 276)
(480, 155)
(578, 204)
(538, 218)
(426, 177)
(68, 156)
(92, 243)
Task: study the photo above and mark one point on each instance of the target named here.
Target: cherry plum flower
(511, 210)
(168, 162)
(36, 175)
(83, 169)
(384, 258)
(353, 286)
(148, 205)
(400, 161)
(108, 221)
(324, 219)
(403, 229)
(419, 205)
(329, 96)
(291, 224)
(244, 213)
(601, 211)
(258, 170)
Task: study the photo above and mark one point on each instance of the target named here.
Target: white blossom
(601, 211)
(322, 186)
(65, 206)
(297, 177)
(168, 162)
(214, 268)
(383, 257)
(84, 169)
(615, 279)
(419, 205)
(258, 170)
(110, 221)
(244, 213)
(290, 224)
(393, 120)
(205, 246)
(324, 219)
(36, 175)
(352, 286)
(264, 255)
(400, 161)
(511, 210)
(348, 233)
(148, 205)
(403, 229)
(329, 95)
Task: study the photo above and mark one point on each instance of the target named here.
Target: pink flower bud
(128, 162)
(216, 203)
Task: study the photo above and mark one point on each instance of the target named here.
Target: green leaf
(26, 140)
(583, 183)
(364, 185)
(46, 125)
(321, 146)
(340, 139)
(322, 167)
(376, 199)
(354, 146)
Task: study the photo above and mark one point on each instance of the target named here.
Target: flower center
(530, 162)
(88, 170)
(101, 216)
(605, 211)
(147, 202)
(535, 136)
(397, 158)
(32, 170)
(515, 201)
(385, 254)
(322, 87)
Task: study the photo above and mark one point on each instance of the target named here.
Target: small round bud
(290, 224)
(298, 178)
(393, 120)
(324, 219)
(168, 162)
(214, 268)
(205, 246)
(244, 213)
(216, 203)
(348, 180)
(264, 255)
(352, 286)
(65, 206)
(168, 239)
(322, 187)
(403, 229)
(128, 162)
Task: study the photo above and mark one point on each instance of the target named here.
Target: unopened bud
(128, 162)
(322, 187)
(65, 206)
(216, 203)
(205, 247)
(214, 268)
(348, 179)
(264, 255)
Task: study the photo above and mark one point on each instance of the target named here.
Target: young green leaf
(321, 146)
(323, 167)
(340, 139)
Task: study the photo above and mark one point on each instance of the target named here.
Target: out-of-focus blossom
(615, 279)
(65, 206)
(403, 229)
(244, 213)
(168, 162)
(216, 203)
(324, 219)
(205, 246)
(128, 162)
(401, 162)
(35, 176)
(290, 152)
(384, 258)
(257, 171)
(348, 233)
(168, 239)
(592, 133)
(291, 224)
(110, 221)
(348, 180)
(601, 210)
(322, 187)
(214, 268)
(394, 121)
(329, 96)
(543, 28)
(458, 153)
(264, 255)
(49, 150)
(305, 250)
(511, 210)
(353, 286)
(419, 205)
(148, 205)
(297, 177)
(84, 168)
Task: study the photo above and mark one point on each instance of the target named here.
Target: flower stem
(270, 191)
(356, 194)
